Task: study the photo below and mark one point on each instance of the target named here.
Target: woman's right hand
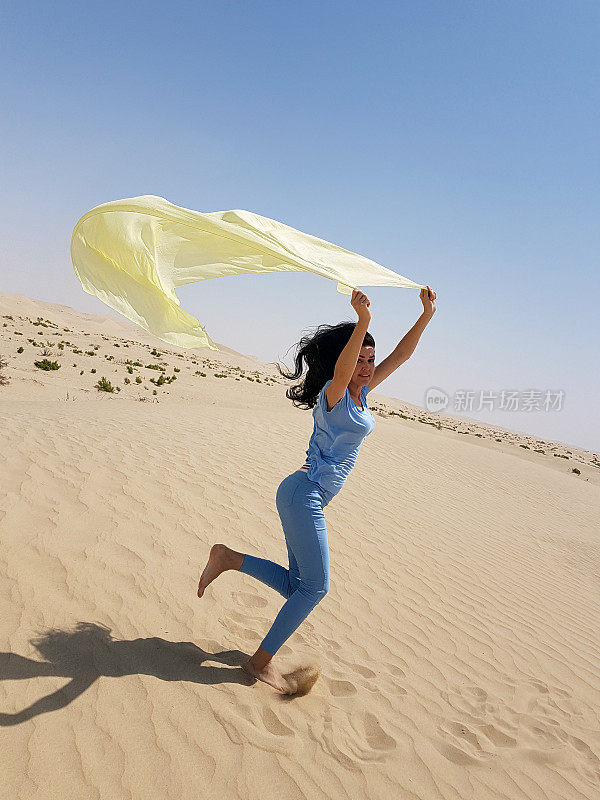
(360, 303)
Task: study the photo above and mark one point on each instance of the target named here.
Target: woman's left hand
(428, 299)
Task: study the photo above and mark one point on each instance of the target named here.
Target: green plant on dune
(104, 385)
(47, 365)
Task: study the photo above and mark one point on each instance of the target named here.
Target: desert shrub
(104, 385)
(127, 380)
(47, 365)
(138, 379)
(130, 369)
(19, 349)
(3, 379)
(93, 371)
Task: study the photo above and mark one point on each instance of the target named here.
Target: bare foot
(269, 674)
(220, 559)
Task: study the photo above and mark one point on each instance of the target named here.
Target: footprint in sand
(497, 736)
(340, 688)
(364, 671)
(252, 600)
(530, 716)
(376, 737)
(274, 725)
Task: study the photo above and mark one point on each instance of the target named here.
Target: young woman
(341, 370)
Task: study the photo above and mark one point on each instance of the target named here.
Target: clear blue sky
(455, 142)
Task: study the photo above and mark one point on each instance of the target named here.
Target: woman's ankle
(260, 659)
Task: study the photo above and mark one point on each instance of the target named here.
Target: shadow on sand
(88, 652)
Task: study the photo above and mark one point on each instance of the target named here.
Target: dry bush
(4, 381)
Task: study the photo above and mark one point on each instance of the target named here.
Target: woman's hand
(360, 303)
(428, 299)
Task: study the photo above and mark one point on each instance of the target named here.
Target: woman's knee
(321, 593)
(315, 592)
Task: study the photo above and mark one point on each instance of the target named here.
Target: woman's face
(365, 367)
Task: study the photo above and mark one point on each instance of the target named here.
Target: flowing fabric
(133, 253)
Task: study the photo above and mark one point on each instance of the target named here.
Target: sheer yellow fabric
(133, 253)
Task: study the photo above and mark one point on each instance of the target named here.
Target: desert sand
(458, 646)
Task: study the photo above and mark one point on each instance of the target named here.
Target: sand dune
(458, 645)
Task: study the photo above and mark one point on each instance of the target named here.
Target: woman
(341, 370)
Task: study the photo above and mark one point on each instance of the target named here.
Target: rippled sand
(458, 647)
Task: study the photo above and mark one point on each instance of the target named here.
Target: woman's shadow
(88, 652)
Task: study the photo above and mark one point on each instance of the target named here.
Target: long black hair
(320, 351)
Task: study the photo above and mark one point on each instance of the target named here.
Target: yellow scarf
(132, 253)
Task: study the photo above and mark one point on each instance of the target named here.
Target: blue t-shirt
(336, 438)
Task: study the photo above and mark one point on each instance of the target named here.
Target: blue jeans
(300, 504)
